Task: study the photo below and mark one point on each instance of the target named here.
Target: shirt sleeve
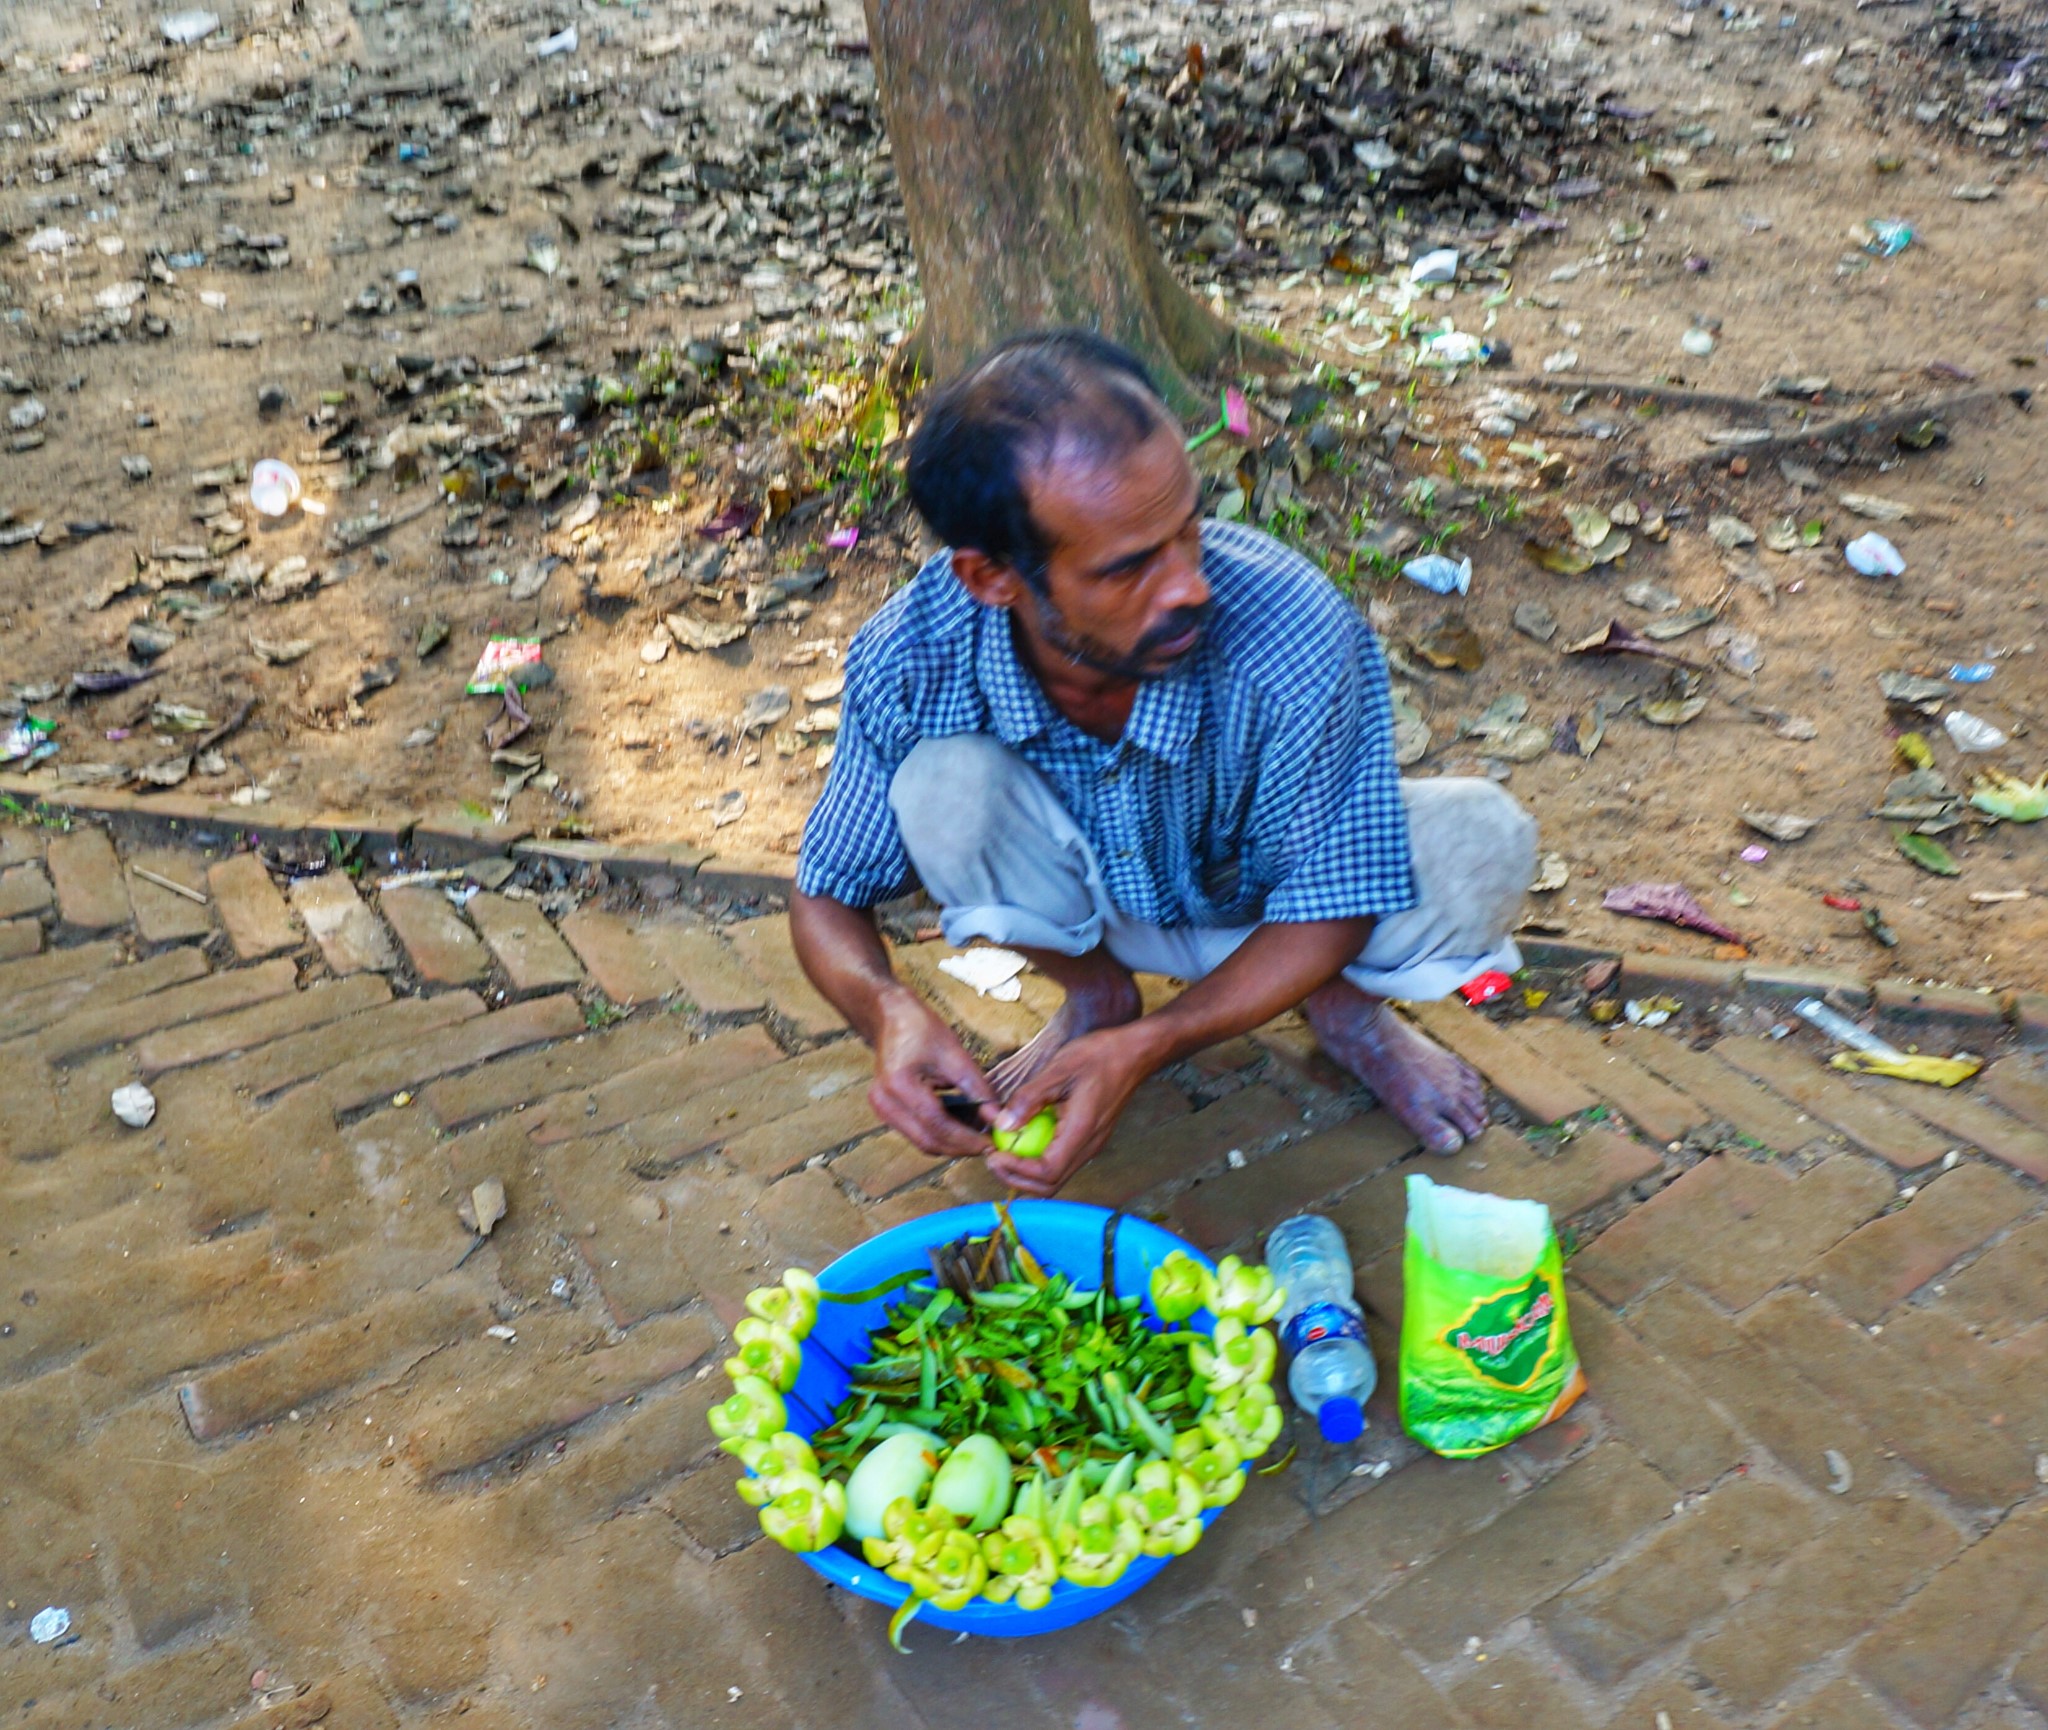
(1345, 854)
(852, 848)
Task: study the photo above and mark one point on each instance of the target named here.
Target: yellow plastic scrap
(1935, 1071)
(2007, 796)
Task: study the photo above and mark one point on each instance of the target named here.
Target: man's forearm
(1270, 972)
(839, 947)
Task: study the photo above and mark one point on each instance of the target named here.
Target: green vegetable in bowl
(1022, 1565)
(1248, 1294)
(1180, 1286)
(777, 1464)
(792, 1305)
(896, 1468)
(1166, 1502)
(766, 1349)
(1028, 1140)
(974, 1482)
(808, 1515)
(1099, 1544)
(753, 1413)
(1233, 1355)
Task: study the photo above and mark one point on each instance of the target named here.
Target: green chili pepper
(793, 1304)
(1180, 1286)
(1099, 1545)
(808, 1515)
(1233, 1355)
(1166, 1503)
(1246, 1293)
(1214, 1465)
(766, 1349)
(1246, 1416)
(1022, 1564)
(753, 1413)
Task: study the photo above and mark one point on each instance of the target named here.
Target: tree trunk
(1022, 210)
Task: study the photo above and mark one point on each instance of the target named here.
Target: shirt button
(1123, 852)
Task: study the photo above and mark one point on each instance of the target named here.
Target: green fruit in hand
(1030, 1140)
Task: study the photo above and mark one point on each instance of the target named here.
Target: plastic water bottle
(1332, 1373)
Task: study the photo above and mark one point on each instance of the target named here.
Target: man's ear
(991, 584)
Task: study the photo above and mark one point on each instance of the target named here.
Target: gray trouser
(1006, 862)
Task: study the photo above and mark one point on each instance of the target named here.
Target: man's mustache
(1174, 626)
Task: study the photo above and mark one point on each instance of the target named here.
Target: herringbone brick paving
(293, 1448)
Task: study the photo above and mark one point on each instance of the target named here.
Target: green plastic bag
(1486, 1352)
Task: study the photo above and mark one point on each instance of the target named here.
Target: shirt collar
(1016, 704)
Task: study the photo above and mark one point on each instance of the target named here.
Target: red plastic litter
(1846, 903)
(1485, 988)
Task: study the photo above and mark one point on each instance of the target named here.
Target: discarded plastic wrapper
(1888, 236)
(1439, 575)
(30, 739)
(1485, 988)
(1438, 266)
(1968, 732)
(1874, 556)
(1840, 1027)
(47, 1626)
(990, 972)
(1976, 673)
(1486, 1351)
(500, 664)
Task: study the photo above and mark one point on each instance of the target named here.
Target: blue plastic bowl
(1063, 1235)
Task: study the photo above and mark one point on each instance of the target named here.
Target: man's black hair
(988, 429)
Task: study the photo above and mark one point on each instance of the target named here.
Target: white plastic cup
(274, 487)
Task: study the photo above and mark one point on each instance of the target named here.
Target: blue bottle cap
(1341, 1421)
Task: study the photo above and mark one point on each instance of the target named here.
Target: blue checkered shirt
(1254, 783)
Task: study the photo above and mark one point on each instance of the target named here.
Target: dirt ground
(314, 153)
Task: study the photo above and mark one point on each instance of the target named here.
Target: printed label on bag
(1506, 1337)
(1323, 1321)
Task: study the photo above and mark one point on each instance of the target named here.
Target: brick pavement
(292, 1454)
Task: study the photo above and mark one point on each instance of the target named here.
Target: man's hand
(1087, 1082)
(917, 1055)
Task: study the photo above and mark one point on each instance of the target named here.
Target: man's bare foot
(1100, 993)
(1439, 1097)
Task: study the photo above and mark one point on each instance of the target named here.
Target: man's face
(1124, 589)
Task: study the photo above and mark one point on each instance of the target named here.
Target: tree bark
(1021, 208)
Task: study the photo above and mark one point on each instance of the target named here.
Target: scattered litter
(1876, 509)
(843, 540)
(274, 487)
(1486, 987)
(1913, 691)
(1433, 267)
(1931, 1071)
(562, 42)
(1976, 673)
(134, 1105)
(29, 740)
(1842, 1030)
(170, 883)
(1841, 1479)
(1779, 825)
(1888, 237)
(655, 649)
(990, 972)
(506, 662)
(1698, 343)
(1552, 873)
(2002, 795)
(483, 1207)
(1873, 556)
(1728, 533)
(1439, 575)
(46, 1627)
(1972, 733)
(764, 708)
(1671, 902)
(187, 28)
(1650, 1011)
(1754, 854)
